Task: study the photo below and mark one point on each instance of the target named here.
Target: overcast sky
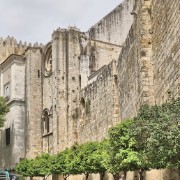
(35, 20)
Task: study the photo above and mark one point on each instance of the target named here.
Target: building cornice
(13, 58)
(16, 101)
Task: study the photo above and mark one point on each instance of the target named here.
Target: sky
(35, 20)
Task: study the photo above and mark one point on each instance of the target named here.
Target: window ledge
(47, 134)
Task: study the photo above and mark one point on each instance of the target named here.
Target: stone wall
(98, 106)
(135, 66)
(12, 72)
(66, 85)
(103, 53)
(166, 48)
(33, 103)
(98, 54)
(114, 27)
(12, 153)
(148, 66)
(59, 55)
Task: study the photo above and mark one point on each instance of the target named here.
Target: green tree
(25, 168)
(100, 158)
(94, 157)
(3, 110)
(124, 152)
(85, 155)
(58, 163)
(157, 131)
(67, 162)
(86, 158)
(42, 165)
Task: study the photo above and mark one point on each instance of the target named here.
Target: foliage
(150, 140)
(25, 168)
(3, 110)
(158, 130)
(124, 152)
(99, 158)
(86, 158)
(42, 165)
(67, 162)
(93, 156)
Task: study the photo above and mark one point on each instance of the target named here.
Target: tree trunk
(141, 175)
(178, 172)
(116, 176)
(125, 174)
(45, 177)
(65, 176)
(87, 175)
(102, 175)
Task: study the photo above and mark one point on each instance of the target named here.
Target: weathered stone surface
(33, 103)
(114, 27)
(88, 82)
(13, 74)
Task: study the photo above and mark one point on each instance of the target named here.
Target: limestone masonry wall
(166, 48)
(98, 109)
(135, 65)
(13, 77)
(33, 103)
(103, 53)
(114, 27)
(148, 66)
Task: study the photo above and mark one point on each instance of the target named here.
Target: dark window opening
(38, 73)
(7, 136)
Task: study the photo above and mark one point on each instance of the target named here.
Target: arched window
(46, 121)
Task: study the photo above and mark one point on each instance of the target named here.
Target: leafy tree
(42, 165)
(86, 157)
(157, 131)
(124, 152)
(60, 165)
(94, 157)
(25, 168)
(66, 162)
(3, 110)
(39, 166)
(100, 158)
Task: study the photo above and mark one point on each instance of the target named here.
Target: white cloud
(34, 20)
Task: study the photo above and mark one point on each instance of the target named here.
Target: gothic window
(46, 121)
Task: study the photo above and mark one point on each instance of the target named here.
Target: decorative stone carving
(83, 43)
(47, 64)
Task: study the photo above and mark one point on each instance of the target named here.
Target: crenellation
(10, 46)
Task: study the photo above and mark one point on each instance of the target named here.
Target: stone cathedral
(78, 85)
